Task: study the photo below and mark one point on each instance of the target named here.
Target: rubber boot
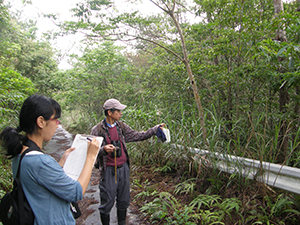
(121, 213)
(104, 219)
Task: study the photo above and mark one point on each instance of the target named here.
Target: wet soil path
(61, 141)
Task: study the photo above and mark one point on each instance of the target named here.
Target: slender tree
(157, 30)
(284, 97)
(170, 10)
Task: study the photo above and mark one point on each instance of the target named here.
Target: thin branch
(159, 6)
(167, 49)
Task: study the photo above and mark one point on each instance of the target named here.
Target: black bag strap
(20, 189)
(21, 200)
(122, 127)
(31, 147)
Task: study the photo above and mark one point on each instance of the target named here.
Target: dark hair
(33, 107)
(56, 107)
(106, 111)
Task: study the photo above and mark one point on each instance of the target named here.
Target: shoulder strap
(21, 196)
(122, 127)
(31, 147)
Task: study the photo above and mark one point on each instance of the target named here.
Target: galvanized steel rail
(275, 175)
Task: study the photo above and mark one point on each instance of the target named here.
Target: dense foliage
(26, 67)
(227, 82)
(246, 73)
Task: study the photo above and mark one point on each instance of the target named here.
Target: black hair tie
(18, 129)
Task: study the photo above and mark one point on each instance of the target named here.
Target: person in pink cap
(113, 160)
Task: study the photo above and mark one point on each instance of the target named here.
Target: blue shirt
(47, 188)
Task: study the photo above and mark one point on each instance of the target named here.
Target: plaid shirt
(128, 135)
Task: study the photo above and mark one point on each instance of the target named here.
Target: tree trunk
(284, 97)
(190, 74)
(297, 104)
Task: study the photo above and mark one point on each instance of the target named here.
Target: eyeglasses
(113, 110)
(56, 120)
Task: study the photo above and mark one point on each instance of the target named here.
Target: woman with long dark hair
(47, 188)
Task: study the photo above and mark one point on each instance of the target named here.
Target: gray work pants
(110, 190)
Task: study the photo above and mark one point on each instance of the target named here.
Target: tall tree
(169, 8)
(157, 30)
(284, 97)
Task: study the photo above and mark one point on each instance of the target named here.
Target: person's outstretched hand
(161, 125)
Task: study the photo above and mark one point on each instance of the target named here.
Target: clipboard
(76, 159)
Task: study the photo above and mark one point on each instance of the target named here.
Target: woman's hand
(93, 147)
(65, 156)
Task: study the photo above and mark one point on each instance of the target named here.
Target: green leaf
(282, 50)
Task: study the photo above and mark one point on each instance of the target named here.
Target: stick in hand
(115, 154)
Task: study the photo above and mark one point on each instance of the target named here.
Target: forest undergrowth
(213, 198)
(179, 188)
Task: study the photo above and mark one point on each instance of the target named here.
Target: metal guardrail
(275, 175)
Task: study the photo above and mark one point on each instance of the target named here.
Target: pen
(89, 139)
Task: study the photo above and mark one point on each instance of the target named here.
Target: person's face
(50, 128)
(116, 115)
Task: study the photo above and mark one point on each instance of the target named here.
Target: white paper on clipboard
(76, 159)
